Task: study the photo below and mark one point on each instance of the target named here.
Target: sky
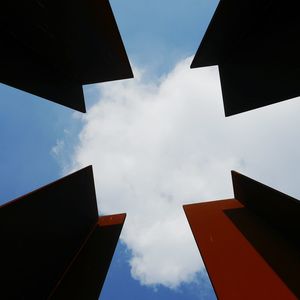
(156, 142)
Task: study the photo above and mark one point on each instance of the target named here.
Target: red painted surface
(237, 270)
(110, 220)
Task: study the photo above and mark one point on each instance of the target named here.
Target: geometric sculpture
(53, 244)
(249, 244)
(256, 46)
(52, 48)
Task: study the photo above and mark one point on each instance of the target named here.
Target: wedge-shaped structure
(256, 45)
(50, 48)
(250, 244)
(53, 243)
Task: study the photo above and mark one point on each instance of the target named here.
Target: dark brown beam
(89, 268)
(52, 48)
(256, 45)
(279, 209)
(50, 234)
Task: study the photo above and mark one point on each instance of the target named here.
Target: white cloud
(155, 146)
(58, 148)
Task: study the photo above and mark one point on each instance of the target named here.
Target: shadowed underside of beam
(256, 45)
(54, 245)
(85, 276)
(52, 48)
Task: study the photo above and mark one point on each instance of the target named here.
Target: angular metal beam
(256, 45)
(86, 274)
(279, 209)
(53, 243)
(50, 48)
(246, 246)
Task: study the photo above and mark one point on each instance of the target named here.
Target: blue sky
(157, 34)
(119, 284)
(156, 142)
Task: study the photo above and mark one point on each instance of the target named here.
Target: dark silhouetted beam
(52, 48)
(85, 277)
(247, 248)
(256, 45)
(53, 244)
(277, 208)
